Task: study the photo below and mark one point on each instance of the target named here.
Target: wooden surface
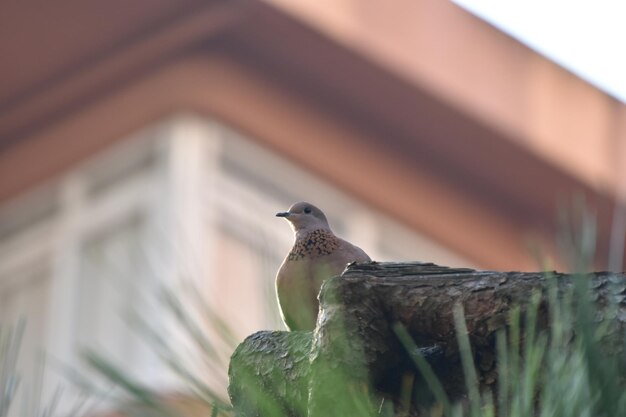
(355, 332)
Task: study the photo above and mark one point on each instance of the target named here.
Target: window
(72, 261)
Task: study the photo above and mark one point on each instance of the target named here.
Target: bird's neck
(313, 244)
(304, 233)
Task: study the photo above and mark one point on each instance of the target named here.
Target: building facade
(187, 203)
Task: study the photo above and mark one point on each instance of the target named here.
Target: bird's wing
(352, 253)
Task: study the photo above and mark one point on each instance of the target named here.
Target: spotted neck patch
(313, 244)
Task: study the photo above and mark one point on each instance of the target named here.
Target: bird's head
(305, 217)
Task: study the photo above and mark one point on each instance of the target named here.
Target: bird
(317, 254)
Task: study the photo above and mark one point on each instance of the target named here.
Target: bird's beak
(283, 214)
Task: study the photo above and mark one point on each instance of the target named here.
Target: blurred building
(148, 143)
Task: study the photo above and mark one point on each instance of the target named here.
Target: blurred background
(148, 145)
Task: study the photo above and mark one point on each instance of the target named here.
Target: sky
(588, 37)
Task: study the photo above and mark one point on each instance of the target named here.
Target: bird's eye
(307, 210)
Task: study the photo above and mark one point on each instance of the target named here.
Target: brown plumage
(317, 255)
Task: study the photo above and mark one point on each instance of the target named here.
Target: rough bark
(355, 332)
(269, 374)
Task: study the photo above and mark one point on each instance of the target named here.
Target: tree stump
(354, 348)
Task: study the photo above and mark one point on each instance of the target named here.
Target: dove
(317, 254)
